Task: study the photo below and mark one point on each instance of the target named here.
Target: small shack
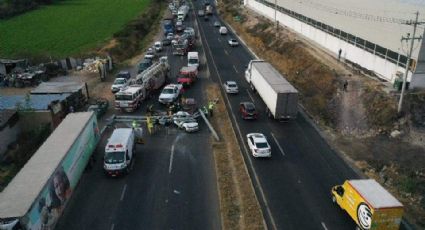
(7, 65)
(78, 91)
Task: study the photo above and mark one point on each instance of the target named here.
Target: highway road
(293, 186)
(171, 186)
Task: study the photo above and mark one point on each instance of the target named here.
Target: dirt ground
(239, 207)
(356, 121)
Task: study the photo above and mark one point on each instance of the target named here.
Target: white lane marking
(225, 51)
(278, 145)
(324, 226)
(170, 167)
(235, 69)
(112, 226)
(250, 96)
(219, 39)
(123, 192)
(262, 195)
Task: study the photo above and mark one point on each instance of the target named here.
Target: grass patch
(66, 28)
(239, 207)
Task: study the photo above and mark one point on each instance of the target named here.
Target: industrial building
(362, 32)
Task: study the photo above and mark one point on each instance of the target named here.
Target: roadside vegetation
(66, 28)
(9, 8)
(361, 122)
(239, 207)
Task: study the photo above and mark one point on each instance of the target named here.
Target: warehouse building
(364, 33)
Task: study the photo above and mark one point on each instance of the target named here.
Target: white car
(223, 30)
(231, 87)
(233, 42)
(185, 121)
(258, 145)
(150, 54)
(170, 93)
(158, 46)
(118, 84)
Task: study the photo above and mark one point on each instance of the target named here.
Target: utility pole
(409, 55)
(275, 17)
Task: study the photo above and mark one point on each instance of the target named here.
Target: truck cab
(129, 98)
(119, 152)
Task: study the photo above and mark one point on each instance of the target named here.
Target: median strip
(239, 207)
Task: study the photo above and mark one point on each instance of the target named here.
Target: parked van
(368, 204)
(119, 152)
(193, 59)
(223, 30)
(129, 98)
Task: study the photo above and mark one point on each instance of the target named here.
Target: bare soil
(239, 207)
(357, 121)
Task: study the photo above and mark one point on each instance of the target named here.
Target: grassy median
(239, 207)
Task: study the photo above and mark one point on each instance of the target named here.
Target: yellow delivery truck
(368, 204)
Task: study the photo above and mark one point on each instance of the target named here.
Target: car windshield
(261, 145)
(123, 97)
(168, 91)
(119, 81)
(231, 85)
(114, 157)
(193, 61)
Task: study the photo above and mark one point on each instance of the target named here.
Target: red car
(247, 110)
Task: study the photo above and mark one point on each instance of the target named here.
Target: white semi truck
(182, 12)
(280, 97)
(38, 194)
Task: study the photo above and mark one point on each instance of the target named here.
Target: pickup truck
(170, 93)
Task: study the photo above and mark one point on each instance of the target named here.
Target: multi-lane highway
(171, 186)
(293, 186)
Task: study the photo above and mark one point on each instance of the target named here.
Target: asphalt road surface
(172, 184)
(293, 186)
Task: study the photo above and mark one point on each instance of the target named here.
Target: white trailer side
(46, 181)
(280, 97)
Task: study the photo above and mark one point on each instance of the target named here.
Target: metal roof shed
(58, 87)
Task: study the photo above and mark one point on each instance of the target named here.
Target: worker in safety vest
(210, 108)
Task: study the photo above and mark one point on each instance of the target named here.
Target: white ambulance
(119, 152)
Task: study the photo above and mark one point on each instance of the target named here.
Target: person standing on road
(345, 86)
(210, 108)
(339, 54)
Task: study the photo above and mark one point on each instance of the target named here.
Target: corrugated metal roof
(36, 101)
(17, 198)
(375, 194)
(360, 18)
(57, 87)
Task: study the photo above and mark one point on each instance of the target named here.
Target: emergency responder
(210, 108)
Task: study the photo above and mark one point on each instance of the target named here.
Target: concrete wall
(383, 68)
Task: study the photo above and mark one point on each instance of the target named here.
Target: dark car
(166, 42)
(247, 110)
(143, 65)
(124, 74)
